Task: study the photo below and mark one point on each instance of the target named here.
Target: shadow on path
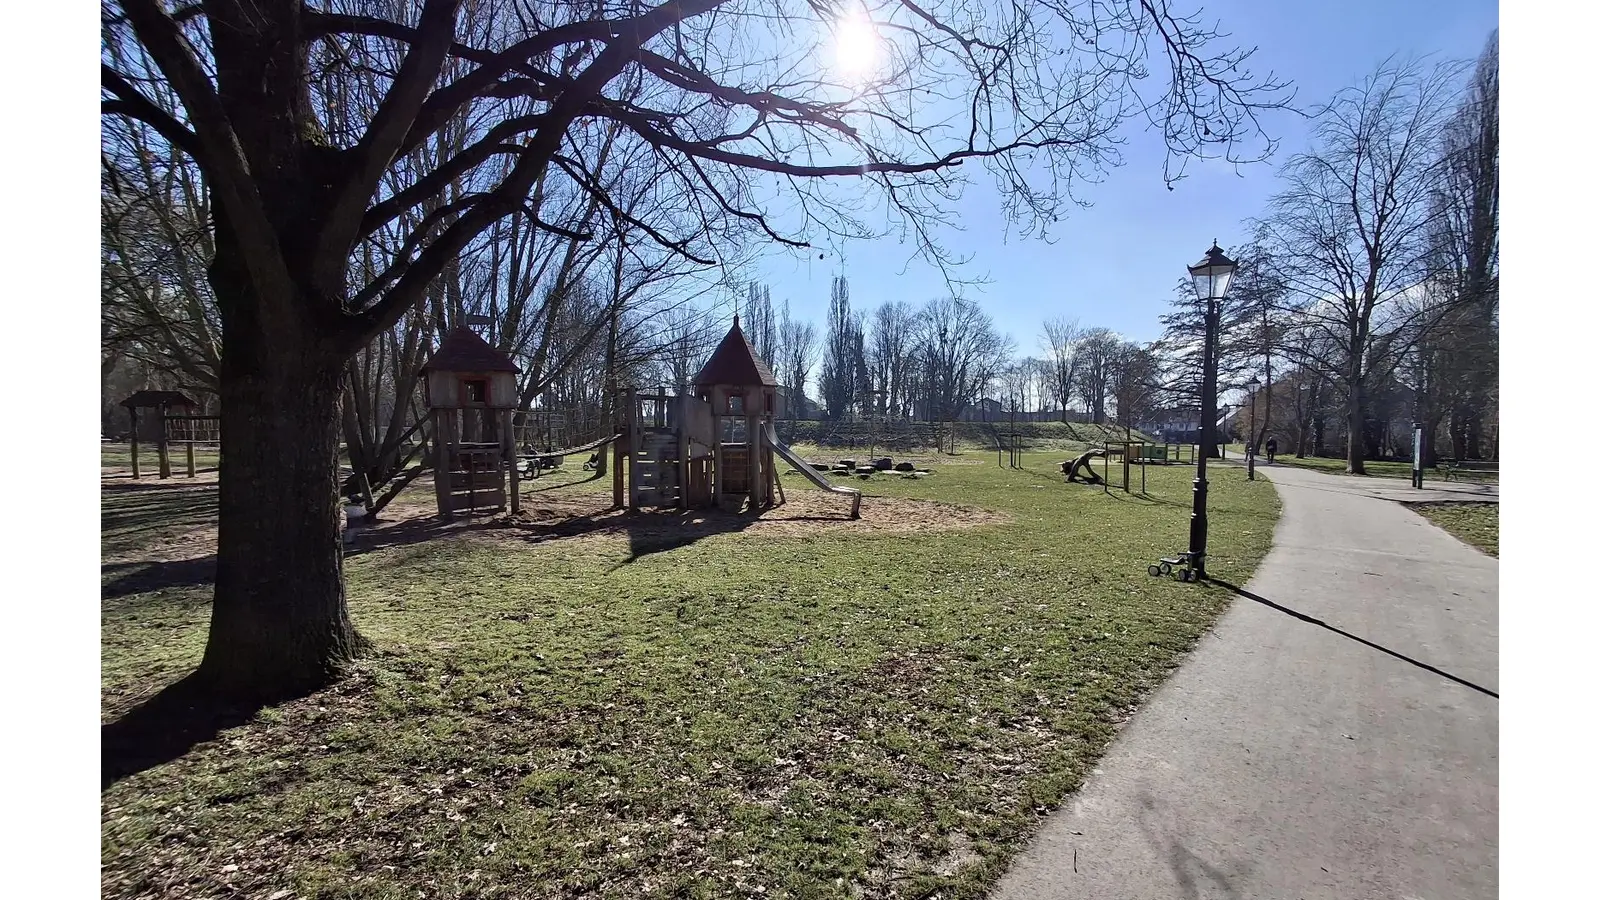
(1357, 638)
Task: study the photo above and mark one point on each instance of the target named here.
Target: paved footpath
(1296, 760)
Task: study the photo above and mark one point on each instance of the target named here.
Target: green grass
(117, 456)
(969, 437)
(1477, 524)
(1377, 468)
(841, 713)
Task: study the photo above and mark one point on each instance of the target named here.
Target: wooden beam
(133, 440)
(683, 451)
(509, 441)
(441, 463)
(633, 450)
(162, 456)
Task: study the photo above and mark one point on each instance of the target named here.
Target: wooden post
(188, 450)
(717, 469)
(752, 442)
(133, 439)
(683, 450)
(510, 441)
(633, 450)
(441, 463)
(616, 473)
(164, 459)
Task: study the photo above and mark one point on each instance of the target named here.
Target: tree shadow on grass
(647, 532)
(130, 578)
(179, 718)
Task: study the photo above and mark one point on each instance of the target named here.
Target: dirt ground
(543, 517)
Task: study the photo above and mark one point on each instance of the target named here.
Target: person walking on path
(1272, 448)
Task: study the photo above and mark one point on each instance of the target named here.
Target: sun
(857, 48)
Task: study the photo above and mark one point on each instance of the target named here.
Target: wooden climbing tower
(472, 395)
(742, 395)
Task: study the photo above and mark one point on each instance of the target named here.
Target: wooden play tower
(705, 448)
(472, 395)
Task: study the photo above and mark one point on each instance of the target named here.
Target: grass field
(1477, 524)
(1378, 468)
(814, 709)
(117, 456)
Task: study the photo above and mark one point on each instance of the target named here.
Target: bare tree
(893, 327)
(1097, 353)
(962, 353)
(760, 325)
(1454, 367)
(720, 93)
(1060, 343)
(1134, 383)
(839, 377)
(1350, 231)
(797, 353)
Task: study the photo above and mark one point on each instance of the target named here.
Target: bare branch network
(322, 127)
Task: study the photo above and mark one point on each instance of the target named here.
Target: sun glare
(857, 47)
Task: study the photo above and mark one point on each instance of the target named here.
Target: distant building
(986, 410)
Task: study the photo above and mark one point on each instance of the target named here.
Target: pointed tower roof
(735, 362)
(463, 351)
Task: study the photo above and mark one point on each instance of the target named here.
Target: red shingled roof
(463, 351)
(735, 362)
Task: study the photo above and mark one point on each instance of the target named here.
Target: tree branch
(365, 163)
(135, 105)
(223, 159)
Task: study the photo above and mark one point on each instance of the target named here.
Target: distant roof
(735, 362)
(463, 351)
(157, 398)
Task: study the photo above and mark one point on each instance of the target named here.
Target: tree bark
(279, 623)
(1355, 438)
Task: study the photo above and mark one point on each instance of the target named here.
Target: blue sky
(1114, 264)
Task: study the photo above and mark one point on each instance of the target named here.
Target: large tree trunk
(1355, 433)
(279, 624)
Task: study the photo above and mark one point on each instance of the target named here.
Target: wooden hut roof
(150, 399)
(463, 351)
(735, 362)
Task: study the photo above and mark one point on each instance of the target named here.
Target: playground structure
(713, 447)
(472, 395)
(1129, 453)
(167, 429)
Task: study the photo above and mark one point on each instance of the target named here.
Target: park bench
(1453, 467)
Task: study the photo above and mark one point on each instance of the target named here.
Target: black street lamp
(1253, 385)
(1211, 276)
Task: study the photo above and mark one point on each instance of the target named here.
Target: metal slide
(810, 474)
